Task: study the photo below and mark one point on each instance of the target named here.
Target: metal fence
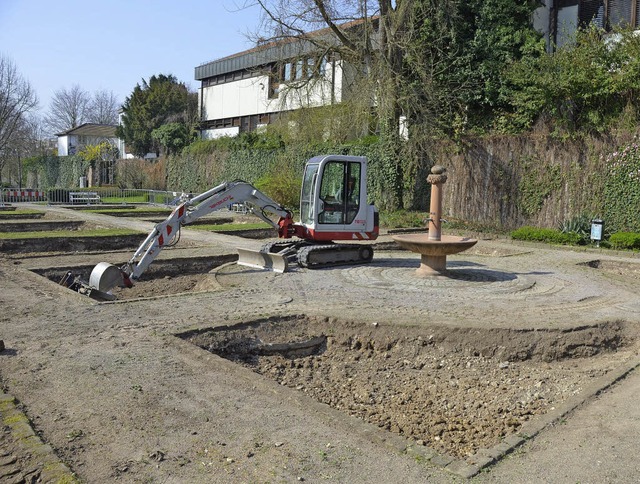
(90, 196)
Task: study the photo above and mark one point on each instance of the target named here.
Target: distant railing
(106, 195)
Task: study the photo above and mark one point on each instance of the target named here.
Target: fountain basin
(433, 253)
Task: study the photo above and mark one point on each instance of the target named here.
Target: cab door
(339, 185)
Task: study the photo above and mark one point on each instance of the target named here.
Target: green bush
(550, 236)
(403, 219)
(625, 240)
(579, 225)
(587, 85)
(282, 183)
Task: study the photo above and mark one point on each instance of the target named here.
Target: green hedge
(622, 188)
(208, 164)
(625, 240)
(550, 236)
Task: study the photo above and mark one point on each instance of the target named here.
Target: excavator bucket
(105, 277)
(262, 260)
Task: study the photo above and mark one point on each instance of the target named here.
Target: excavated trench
(615, 268)
(455, 390)
(162, 278)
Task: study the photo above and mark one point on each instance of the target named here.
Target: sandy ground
(118, 396)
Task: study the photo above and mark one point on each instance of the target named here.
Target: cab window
(339, 193)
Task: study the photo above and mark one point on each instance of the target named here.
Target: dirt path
(118, 396)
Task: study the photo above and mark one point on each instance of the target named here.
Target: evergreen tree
(160, 101)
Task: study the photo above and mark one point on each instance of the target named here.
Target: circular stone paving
(399, 274)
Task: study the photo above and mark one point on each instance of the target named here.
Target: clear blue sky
(114, 44)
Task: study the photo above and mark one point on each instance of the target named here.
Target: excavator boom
(105, 276)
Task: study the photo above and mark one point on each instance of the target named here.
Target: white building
(248, 90)
(73, 140)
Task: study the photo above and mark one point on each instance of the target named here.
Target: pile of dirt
(456, 391)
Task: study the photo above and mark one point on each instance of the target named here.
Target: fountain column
(434, 263)
(434, 247)
(436, 179)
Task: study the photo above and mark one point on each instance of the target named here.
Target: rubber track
(343, 255)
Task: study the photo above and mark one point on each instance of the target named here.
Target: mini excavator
(333, 207)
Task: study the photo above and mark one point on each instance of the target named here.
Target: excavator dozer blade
(262, 260)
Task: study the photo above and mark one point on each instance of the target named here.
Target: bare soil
(119, 397)
(453, 391)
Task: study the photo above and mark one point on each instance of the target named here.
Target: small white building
(73, 140)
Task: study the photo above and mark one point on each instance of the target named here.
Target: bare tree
(370, 37)
(69, 109)
(17, 100)
(103, 108)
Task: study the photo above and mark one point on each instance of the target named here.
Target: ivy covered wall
(504, 181)
(510, 181)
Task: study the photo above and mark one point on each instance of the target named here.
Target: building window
(607, 14)
(310, 67)
(229, 77)
(299, 69)
(276, 76)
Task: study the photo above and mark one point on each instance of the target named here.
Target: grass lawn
(230, 227)
(68, 233)
(129, 199)
(22, 211)
(106, 211)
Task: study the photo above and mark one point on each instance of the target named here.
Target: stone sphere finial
(438, 175)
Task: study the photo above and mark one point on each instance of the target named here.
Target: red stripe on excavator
(161, 241)
(181, 211)
(325, 236)
(169, 229)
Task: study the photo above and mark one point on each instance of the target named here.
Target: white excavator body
(333, 207)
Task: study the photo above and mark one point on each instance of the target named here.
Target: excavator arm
(104, 277)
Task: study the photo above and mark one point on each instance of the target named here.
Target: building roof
(92, 129)
(269, 52)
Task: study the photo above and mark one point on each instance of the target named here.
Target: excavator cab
(333, 201)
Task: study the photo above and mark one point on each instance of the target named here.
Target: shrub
(589, 84)
(625, 240)
(403, 219)
(550, 236)
(282, 183)
(580, 225)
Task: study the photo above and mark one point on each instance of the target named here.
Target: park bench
(86, 198)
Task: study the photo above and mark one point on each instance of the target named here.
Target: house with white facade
(72, 141)
(250, 89)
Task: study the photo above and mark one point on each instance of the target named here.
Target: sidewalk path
(599, 443)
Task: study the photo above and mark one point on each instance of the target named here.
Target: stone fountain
(433, 246)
